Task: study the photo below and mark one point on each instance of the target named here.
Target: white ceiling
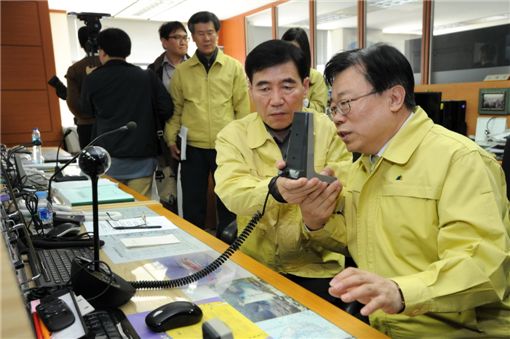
(158, 10)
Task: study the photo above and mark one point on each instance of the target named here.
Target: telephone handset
(300, 160)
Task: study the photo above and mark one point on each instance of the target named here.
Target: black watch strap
(273, 190)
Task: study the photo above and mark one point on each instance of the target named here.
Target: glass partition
(397, 23)
(473, 43)
(336, 24)
(294, 13)
(258, 29)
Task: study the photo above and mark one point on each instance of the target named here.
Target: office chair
(506, 165)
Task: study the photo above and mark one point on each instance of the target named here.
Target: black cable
(179, 282)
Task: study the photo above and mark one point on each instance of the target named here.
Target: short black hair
(299, 35)
(83, 36)
(203, 17)
(383, 66)
(169, 27)
(114, 42)
(275, 52)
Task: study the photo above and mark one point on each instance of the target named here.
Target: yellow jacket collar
(406, 141)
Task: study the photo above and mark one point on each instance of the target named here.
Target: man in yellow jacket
(424, 211)
(247, 152)
(209, 90)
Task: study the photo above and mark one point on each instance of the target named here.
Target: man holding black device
(247, 150)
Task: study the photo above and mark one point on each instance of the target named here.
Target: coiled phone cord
(179, 282)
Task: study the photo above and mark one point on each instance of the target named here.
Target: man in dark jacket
(118, 92)
(174, 40)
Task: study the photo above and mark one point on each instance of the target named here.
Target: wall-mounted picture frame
(494, 101)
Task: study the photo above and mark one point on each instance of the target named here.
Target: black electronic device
(93, 24)
(100, 286)
(60, 88)
(430, 102)
(454, 115)
(173, 315)
(55, 313)
(66, 229)
(101, 324)
(300, 152)
(95, 282)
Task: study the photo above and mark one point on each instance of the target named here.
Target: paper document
(105, 226)
(183, 134)
(149, 241)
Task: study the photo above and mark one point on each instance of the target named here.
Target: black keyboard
(102, 325)
(56, 263)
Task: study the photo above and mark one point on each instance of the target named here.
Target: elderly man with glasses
(423, 212)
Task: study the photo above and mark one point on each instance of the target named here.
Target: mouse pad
(240, 326)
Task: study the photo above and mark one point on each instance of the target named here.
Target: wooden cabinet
(27, 65)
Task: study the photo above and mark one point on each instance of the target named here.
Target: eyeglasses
(344, 107)
(184, 38)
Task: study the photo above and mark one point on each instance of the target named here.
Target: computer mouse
(173, 315)
(67, 229)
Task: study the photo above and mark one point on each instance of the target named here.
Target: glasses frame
(346, 104)
(179, 38)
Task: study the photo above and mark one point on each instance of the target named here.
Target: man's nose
(276, 97)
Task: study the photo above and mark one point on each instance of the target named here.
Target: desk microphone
(96, 283)
(58, 170)
(59, 147)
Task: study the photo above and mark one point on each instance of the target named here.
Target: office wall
(27, 64)
(465, 91)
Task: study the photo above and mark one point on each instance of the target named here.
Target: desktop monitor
(494, 101)
(431, 103)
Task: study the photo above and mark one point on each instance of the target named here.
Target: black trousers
(84, 134)
(195, 172)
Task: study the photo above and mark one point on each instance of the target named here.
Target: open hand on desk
(370, 289)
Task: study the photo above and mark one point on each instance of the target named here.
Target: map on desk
(255, 310)
(250, 307)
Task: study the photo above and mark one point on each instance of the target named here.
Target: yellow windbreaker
(318, 92)
(432, 216)
(246, 156)
(205, 102)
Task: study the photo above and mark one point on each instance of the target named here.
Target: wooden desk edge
(329, 312)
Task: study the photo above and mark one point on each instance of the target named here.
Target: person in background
(174, 40)
(75, 75)
(247, 152)
(423, 213)
(317, 97)
(116, 93)
(209, 90)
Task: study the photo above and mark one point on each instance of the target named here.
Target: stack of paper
(77, 193)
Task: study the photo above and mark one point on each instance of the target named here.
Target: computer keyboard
(56, 263)
(102, 325)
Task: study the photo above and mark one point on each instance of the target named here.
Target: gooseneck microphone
(60, 146)
(98, 284)
(58, 170)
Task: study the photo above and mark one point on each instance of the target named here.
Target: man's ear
(306, 85)
(397, 98)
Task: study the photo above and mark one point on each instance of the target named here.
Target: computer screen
(431, 103)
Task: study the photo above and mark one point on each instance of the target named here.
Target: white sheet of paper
(149, 241)
(106, 229)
